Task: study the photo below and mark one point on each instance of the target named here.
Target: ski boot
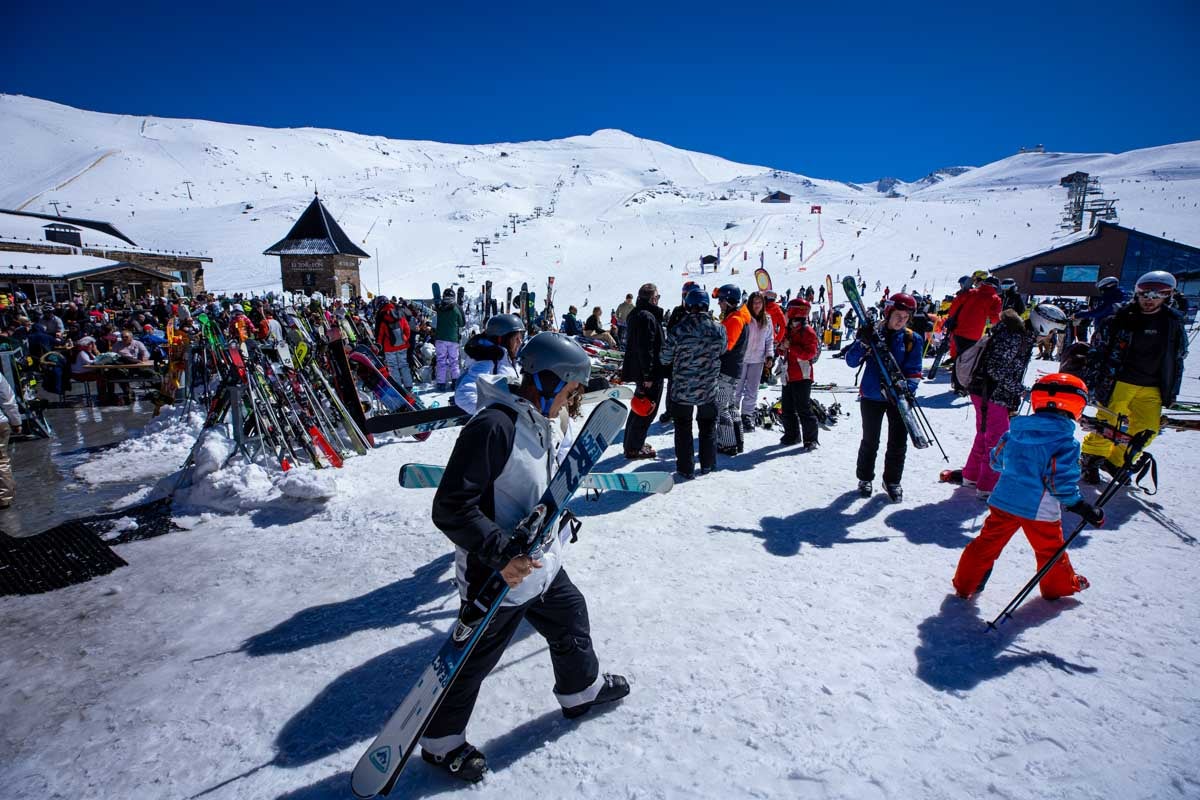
(789, 440)
(727, 449)
(1089, 467)
(865, 488)
(615, 687)
(747, 423)
(463, 762)
(810, 447)
(954, 476)
(894, 492)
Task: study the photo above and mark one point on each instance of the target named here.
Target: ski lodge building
(777, 197)
(318, 256)
(1109, 249)
(51, 258)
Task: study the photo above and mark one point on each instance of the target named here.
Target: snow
(625, 210)
(784, 638)
(257, 651)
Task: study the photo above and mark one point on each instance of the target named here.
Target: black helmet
(729, 294)
(555, 353)
(502, 325)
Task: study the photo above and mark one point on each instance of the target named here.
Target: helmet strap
(546, 398)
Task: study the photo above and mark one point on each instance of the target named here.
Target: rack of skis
(315, 398)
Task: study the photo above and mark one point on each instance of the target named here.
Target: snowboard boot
(789, 440)
(727, 449)
(705, 470)
(463, 762)
(615, 687)
(810, 447)
(865, 488)
(894, 492)
(954, 476)
(747, 423)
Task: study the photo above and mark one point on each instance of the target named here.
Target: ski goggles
(1153, 294)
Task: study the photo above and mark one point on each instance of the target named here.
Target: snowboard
(762, 279)
(428, 476)
(381, 764)
(938, 356)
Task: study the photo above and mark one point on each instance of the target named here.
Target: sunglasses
(1152, 295)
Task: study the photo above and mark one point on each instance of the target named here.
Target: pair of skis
(380, 766)
(428, 476)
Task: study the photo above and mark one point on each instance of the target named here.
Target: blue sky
(852, 92)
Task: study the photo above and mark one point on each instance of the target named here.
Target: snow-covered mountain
(603, 213)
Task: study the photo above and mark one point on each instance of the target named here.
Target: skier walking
(800, 348)
(447, 334)
(692, 350)
(759, 347)
(734, 318)
(875, 403)
(1038, 462)
(1135, 368)
(495, 353)
(500, 466)
(640, 367)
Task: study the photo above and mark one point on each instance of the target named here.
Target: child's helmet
(1060, 392)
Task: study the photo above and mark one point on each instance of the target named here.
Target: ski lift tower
(481, 247)
(1085, 196)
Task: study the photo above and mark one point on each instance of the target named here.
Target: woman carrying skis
(875, 402)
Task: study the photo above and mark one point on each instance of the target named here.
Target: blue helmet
(696, 299)
(729, 294)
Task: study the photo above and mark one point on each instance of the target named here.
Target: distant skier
(498, 469)
(1038, 462)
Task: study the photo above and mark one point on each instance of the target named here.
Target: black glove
(1091, 514)
(864, 334)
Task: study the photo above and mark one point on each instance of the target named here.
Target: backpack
(969, 361)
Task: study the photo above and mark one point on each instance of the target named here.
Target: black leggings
(706, 419)
(873, 412)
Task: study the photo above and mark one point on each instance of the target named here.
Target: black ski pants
(873, 412)
(560, 615)
(798, 411)
(706, 420)
(636, 427)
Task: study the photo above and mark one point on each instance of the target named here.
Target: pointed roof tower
(315, 233)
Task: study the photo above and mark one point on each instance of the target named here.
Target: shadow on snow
(957, 652)
(818, 527)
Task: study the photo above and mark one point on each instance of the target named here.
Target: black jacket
(1110, 348)
(643, 342)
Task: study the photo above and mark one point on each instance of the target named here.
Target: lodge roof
(315, 233)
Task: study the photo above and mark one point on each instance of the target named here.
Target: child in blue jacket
(1038, 462)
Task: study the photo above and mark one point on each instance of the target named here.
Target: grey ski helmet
(1156, 281)
(1107, 283)
(502, 325)
(557, 354)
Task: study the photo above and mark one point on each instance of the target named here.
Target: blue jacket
(1038, 462)
(905, 345)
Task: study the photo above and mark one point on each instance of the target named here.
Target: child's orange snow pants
(1045, 537)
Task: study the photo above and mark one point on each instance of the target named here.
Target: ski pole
(1118, 482)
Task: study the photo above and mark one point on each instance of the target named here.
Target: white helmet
(1158, 280)
(1046, 318)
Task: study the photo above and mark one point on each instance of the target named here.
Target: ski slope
(784, 638)
(617, 210)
